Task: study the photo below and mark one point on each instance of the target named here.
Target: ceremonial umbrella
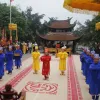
(83, 6)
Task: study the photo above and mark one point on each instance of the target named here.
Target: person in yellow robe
(36, 61)
(24, 47)
(62, 62)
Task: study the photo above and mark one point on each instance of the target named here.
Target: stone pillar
(74, 46)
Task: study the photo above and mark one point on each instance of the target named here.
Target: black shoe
(8, 73)
(18, 67)
(0, 78)
(93, 97)
(97, 97)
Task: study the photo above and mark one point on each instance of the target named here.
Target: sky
(51, 8)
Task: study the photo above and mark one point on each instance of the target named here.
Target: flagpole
(10, 11)
(16, 33)
(10, 23)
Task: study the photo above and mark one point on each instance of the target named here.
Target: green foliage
(4, 15)
(17, 18)
(28, 23)
(44, 26)
(89, 35)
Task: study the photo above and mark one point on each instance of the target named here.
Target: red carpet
(15, 80)
(74, 91)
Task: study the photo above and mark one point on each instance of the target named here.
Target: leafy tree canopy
(88, 32)
(28, 23)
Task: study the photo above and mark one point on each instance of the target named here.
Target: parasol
(83, 6)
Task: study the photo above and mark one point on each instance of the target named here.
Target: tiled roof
(60, 36)
(60, 24)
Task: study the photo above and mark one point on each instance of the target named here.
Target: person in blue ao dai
(2, 59)
(9, 60)
(89, 61)
(94, 86)
(86, 57)
(82, 58)
(18, 56)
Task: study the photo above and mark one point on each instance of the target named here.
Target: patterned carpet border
(74, 90)
(15, 80)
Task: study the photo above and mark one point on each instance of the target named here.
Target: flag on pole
(11, 0)
(3, 32)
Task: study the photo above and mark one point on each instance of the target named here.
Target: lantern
(83, 6)
(97, 26)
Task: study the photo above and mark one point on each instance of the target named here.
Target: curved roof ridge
(60, 20)
(62, 24)
(59, 36)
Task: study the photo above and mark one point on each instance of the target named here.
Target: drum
(16, 54)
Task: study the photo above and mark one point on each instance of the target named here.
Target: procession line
(23, 60)
(23, 66)
(15, 80)
(74, 91)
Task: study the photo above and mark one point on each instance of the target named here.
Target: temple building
(61, 31)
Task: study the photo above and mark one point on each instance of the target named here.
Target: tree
(44, 26)
(90, 35)
(28, 23)
(33, 23)
(17, 18)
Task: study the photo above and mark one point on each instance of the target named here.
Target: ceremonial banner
(3, 40)
(12, 26)
(83, 6)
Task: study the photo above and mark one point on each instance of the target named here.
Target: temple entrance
(60, 32)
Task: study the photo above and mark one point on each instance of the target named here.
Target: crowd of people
(26, 47)
(46, 58)
(6, 64)
(16, 55)
(8, 57)
(89, 59)
(91, 70)
(12, 52)
(12, 56)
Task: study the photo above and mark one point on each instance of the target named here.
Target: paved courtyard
(69, 87)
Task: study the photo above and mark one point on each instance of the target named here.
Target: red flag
(11, 0)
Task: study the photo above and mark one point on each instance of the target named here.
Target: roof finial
(69, 19)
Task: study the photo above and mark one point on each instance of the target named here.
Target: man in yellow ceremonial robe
(36, 61)
(62, 62)
(24, 47)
